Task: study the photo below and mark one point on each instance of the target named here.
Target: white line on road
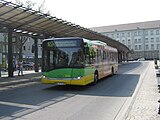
(19, 105)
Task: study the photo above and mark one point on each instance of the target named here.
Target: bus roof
(63, 38)
(85, 40)
(97, 42)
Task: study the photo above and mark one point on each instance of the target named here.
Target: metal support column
(36, 54)
(119, 57)
(125, 56)
(10, 53)
(0, 70)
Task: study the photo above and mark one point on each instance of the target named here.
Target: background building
(142, 38)
(27, 50)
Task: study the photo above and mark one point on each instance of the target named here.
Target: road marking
(19, 105)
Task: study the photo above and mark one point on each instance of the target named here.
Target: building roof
(129, 26)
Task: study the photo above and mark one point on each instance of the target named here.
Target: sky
(95, 13)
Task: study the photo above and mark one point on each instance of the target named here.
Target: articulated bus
(77, 61)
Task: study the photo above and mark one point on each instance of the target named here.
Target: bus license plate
(60, 84)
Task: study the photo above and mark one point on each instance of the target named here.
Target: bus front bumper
(68, 81)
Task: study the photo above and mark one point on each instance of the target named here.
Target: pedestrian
(14, 66)
(20, 67)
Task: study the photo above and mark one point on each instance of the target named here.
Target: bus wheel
(95, 79)
(112, 71)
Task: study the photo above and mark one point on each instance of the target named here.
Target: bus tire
(95, 78)
(112, 71)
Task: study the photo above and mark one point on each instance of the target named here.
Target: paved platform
(145, 105)
(30, 77)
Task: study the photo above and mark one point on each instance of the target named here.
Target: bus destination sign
(60, 43)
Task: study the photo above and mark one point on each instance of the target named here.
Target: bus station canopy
(27, 21)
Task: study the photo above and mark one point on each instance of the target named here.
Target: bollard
(159, 107)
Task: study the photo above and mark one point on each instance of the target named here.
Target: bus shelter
(16, 19)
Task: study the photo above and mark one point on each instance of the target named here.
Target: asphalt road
(105, 101)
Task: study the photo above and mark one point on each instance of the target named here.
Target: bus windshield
(63, 57)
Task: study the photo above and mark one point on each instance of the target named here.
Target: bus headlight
(78, 78)
(43, 77)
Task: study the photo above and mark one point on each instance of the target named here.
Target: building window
(109, 35)
(139, 40)
(14, 49)
(129, 34)
(3, 48)
(135, 33)
(122, 34)
(123, 41)
(140, 47)
(135, 40)
(136, 48)
(147, 47)
(24, 47)
(157, 39)
(117, 35)
(139, 33)
(29, 48)
(157, 32)
(152, 39)
(157, 46)
(28, 39)
(112, 35)
(151, 32)
(146, 40)
(129, 41)
(146, 32)
(152, 46)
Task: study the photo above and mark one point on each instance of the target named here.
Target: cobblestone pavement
(145, 106)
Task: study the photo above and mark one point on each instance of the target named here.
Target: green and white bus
(76, 61)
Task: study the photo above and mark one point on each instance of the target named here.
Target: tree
(20, 40)
(33, 5)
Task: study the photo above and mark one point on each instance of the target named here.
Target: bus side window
(104, 55)
(93, 56)
(97, 54)
(87, 56)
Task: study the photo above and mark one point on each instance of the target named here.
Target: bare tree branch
(18, 2)
(29, 4)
